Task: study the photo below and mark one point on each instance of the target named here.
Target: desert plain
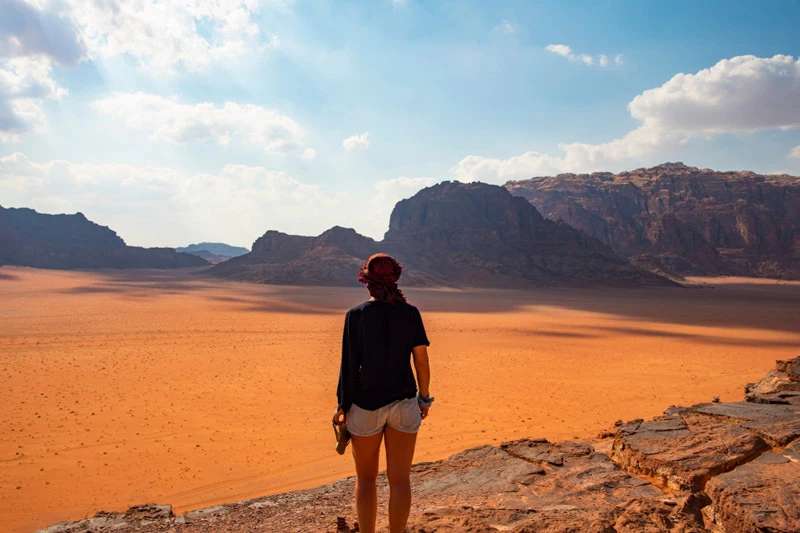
(125, 387)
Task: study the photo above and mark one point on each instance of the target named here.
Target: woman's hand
(339, 417)
(423, 410)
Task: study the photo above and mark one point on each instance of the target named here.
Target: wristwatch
(424, 401)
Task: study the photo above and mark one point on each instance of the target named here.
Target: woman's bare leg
(399, 455)
(366, 452)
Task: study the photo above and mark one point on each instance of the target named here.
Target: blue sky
(175, 124)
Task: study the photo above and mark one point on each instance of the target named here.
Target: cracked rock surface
(715, 467)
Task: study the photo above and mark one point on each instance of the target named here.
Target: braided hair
(380, 273)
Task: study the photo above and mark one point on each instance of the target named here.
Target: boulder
(681, 451)
(763, 495)
(777, 424)
(136, 517)
(780, 385)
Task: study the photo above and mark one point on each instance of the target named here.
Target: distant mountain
(331, 258)
(681, 220)
(448, 234)
(213, 252)
(40, 240)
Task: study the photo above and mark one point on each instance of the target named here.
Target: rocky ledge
(712, 467)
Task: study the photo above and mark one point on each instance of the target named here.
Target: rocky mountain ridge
(731, 467)
(679, 219)
(213, 252)
(30, 238)
(452, 233)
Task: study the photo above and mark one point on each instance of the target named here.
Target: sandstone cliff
(458, 234)
(679, 219)
(29, 238)
(713, 467)
(479, 234)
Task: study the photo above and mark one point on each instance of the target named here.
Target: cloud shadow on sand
(5, 276)
(720, 306)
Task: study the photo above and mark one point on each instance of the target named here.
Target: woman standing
(379, 399)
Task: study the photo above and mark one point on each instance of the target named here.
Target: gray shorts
(402, 415)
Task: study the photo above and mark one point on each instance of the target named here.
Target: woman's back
(378, 337)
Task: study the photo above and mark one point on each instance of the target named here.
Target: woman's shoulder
(411, 307)
(358, 308)
(369, 304)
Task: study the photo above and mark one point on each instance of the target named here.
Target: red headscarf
(380, 273)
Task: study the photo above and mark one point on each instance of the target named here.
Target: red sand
(131, 387)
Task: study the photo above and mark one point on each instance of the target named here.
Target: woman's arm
(344, 388)
(423, 370)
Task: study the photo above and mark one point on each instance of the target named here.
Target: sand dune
(126, 387)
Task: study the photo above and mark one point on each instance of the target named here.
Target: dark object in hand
(342, 435)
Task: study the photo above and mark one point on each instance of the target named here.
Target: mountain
(213, 252)
(35, 239)
(331, 258)
(449, 234)
(681, 220)
(476, 234)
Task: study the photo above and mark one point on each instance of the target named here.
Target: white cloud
(25, 82)
(162, 36)
(507, 27)
(795, 152)
(741, 94)
(170, 34)
(566, 51)
(28, 30)
(559, 49)
(495, 169)
(234, 204)
(371, 211)
(31, 42)
(356, 142)
(744, 93)
(168, 119)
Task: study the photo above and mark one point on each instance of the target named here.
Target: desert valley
(135, 375)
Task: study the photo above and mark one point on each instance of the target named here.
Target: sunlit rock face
(681, 220)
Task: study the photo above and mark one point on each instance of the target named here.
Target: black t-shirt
(376, 354)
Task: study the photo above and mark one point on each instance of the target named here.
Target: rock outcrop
(29, 238)
(456, 234)
(714, 467)
(679, 219)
